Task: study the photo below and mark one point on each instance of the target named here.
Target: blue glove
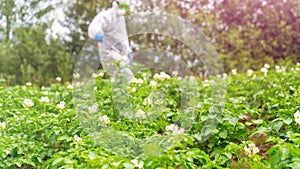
(130, 57)
(99, 37)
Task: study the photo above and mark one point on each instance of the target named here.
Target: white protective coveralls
(111, 23)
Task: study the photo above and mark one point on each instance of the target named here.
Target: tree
(258, 32)
(24, 12)
(28, 53)
(242, 31)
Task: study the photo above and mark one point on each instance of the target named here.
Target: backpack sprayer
(116, 54)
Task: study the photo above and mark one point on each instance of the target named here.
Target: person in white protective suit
(108, 29)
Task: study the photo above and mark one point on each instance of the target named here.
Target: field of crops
(258, 127)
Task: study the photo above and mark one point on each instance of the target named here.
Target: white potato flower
(28, 103)
(101, 74)
(61, 105)
(171, 127)
(140, 114)
(70, 86)
(250, 149)
(247, 151)
(93, 109)
(267, 66)
(156, 76)
(134, 80)
(77, 138)
(3, 125)
(104, 119)
(138, 164)
(132, 89)
(234, 71)
(44, 99)
(174, 73)
(45, 92)
(78, 84)
(140, 81)
(251, 146)
(76, 75)
(255, 150)
(58, 79)
(297, 117)
(206, 83)
(176, 130)
(28, 84)
(144, 74)
(250, 72)
(164, 75)
(153, 83)
(147, 101)
(161, 76)
(94, 75)
(16, 117)
(264, 70)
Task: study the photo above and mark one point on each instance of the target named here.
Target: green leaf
(191, 159)
(288, 121)
(257, 122)
(198, 136)
(19, 164)
(92, 155)
(116, 164)
(233, 120)
(57, 161)
(67, 167)
(67, 160)
(223, 133)
(149, 163)
(189, 140)
(128, 165)
(285, 152)
(275, 156)
(228, 155)
(295, 165)
(216, 154)
(212, 116)
(204, 118)
(105, 166)
(276, 125)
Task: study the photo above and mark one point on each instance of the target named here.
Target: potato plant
(258, 127)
